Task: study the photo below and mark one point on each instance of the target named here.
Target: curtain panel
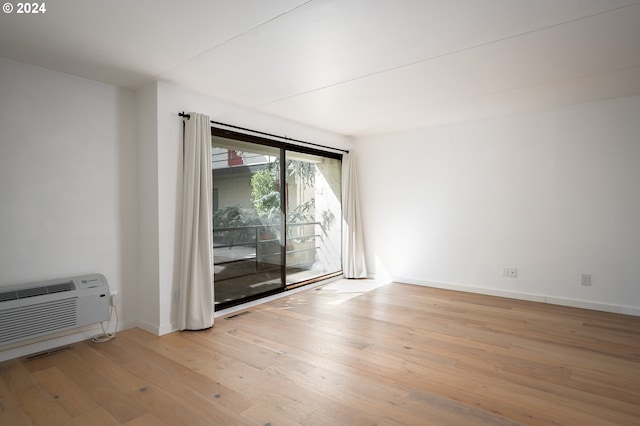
(353, 257)
(196, 273)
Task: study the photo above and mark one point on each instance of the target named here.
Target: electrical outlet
(510, 271)
(585, 279)
(114, 296)
(175, 297)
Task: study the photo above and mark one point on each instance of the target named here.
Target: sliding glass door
(276, 219)
(313, 217)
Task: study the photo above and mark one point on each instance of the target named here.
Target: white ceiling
(354, 67)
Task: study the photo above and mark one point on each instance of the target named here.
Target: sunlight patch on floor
(348, 289)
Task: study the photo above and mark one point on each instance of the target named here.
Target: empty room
(320, 212)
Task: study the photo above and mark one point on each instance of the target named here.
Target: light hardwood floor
(398, 354)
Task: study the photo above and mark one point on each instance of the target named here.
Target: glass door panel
(314, 217)
(247, 220)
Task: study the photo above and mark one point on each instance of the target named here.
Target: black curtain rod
(187, 116)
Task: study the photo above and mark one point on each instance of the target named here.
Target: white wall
(148, 277)
(554, 193)
(68, 183)
(163, 170)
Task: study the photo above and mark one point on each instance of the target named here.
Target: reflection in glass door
(247, 221)
(256, 251)
(313, 217)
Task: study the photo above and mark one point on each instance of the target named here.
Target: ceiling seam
(444, 55)
(232, 38)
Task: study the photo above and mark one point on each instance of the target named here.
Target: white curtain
(196, 274)
(353, 259)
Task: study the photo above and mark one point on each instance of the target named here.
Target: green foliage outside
(243, 220)
(266, 195)
(264, 192)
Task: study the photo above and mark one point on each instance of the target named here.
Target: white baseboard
(151, 328)
(575, 303)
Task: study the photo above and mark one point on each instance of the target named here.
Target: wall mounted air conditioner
(38, 309)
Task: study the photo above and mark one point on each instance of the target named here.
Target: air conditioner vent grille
(8, 295)
(31, 292)
(36, 291)
(36, 320)
(59, 288)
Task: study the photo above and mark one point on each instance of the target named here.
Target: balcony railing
(247, 250)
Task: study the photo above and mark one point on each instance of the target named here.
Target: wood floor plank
(8, 398)
(148, 419)
(96, 417)
(259, 411)
(41, 408)
(15, 375)
(164, 373)
(176, 409)
(109, 368)
(14, 416)
(395, 355)
(71, 397)
(114, 400)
